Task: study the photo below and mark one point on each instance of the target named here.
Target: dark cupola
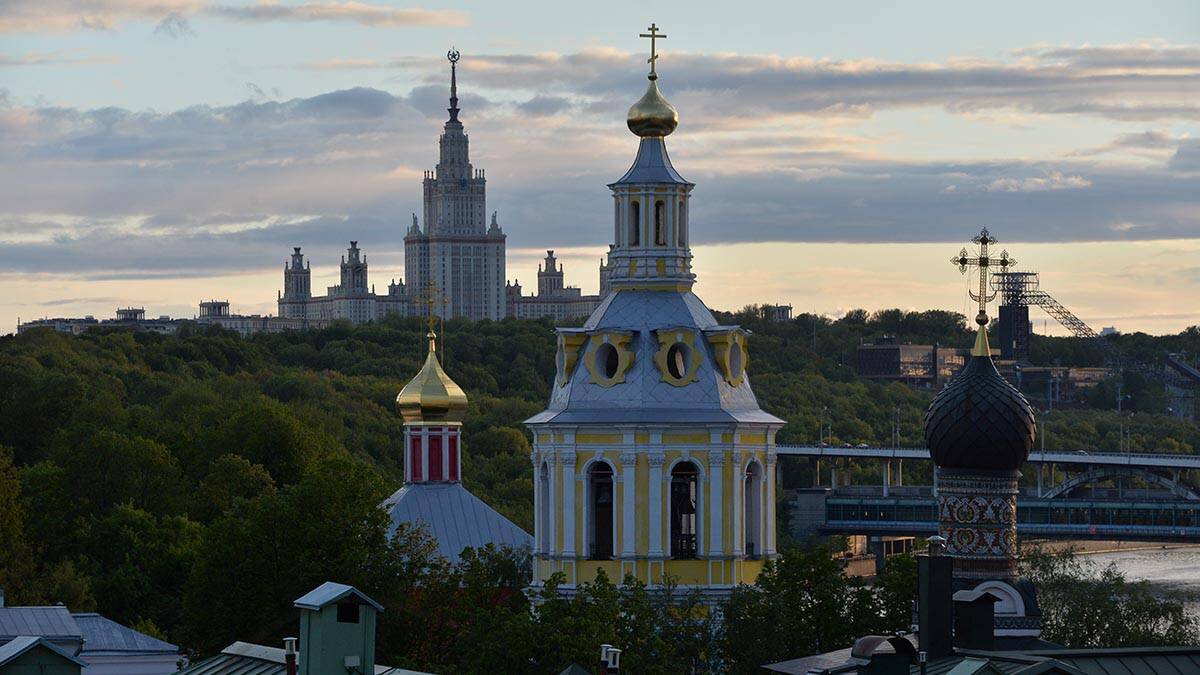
(979, 420)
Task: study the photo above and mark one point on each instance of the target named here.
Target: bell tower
(653, 458)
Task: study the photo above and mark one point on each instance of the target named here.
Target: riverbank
(1090, 547)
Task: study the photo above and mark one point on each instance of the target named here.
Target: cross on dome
(985, 263)
(654, 35)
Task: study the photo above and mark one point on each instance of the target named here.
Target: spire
(453, 57)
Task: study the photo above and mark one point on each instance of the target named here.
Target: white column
(538, 534)
(408, 454)
(716, 484)
(628, 491)
(445, 453)
(568, 492)
(769, 521)
(551, 541)
(424, 453)
(739, 503)
(655, 520)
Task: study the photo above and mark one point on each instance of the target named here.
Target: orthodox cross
(431, 296)
(985, 263)
(654, 35)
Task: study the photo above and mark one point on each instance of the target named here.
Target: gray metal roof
(644, 397)
(243, 658)
(1131, 661)
(329, 593)
(102, 635)
(55, 623)
(652, 165)
(18, 646)
(454, 517)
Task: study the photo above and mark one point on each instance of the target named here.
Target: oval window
(607, 360)
(677, 360)
(560, 361)
(735, 360)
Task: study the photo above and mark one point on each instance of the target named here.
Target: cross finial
(985, 263)
(654, 35)
(430, 297)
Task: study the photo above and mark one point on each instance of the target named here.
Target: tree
(1086, 606)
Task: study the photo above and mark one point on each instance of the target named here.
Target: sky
(156, 153)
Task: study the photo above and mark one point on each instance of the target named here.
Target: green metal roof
(243, 658)
(1131, 661)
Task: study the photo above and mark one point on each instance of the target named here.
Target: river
(1169, 569)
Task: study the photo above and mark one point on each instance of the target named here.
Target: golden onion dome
(652, 116)
(432, 396)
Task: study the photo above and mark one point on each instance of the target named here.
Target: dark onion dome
(979, 420)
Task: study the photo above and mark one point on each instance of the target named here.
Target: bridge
(1074, 503)
(1167, 471)
(1128, 519)
(1067, 457)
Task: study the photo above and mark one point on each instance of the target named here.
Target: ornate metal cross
(986, 264)
(430, 296)
(653, 35)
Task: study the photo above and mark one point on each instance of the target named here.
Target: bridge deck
(1141, 460)
(1052, 518)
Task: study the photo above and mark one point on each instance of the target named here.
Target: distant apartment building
(923, 365)
(776, 313)
(216, 312)
(352, 299)
(554, 299)
(130, 318)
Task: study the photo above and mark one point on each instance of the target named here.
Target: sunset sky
(159, 152)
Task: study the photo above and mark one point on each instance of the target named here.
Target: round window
(677, 360)
(607, 360)
(735, 360)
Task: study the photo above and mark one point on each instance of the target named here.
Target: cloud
(174, 25)
(541, 106)
(67, 58)
(1055, 180)
(1187, 157)
(172, 16)
(782, 150)
(349, 10)
(1090, 82)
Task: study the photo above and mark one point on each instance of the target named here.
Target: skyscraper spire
(453, 57)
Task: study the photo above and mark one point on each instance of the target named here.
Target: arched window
(684, 485)
(635, 223)
(660, 223)
(681, 223)
(752, 528)
(600, 512)
(543, 527)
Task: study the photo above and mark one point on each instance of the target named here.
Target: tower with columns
(297, 287)
(653, 457)
(457, 251)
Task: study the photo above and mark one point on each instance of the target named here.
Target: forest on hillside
(135, 466)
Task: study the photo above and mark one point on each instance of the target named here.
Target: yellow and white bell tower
(653, 457)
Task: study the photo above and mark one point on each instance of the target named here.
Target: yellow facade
(641, 461)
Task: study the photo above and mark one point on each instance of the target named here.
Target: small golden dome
(652, 116)
(432, 396)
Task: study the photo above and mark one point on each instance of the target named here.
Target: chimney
(974, 620)
(610, 660)
(337, 631)
(289, 654)
(935, 601)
